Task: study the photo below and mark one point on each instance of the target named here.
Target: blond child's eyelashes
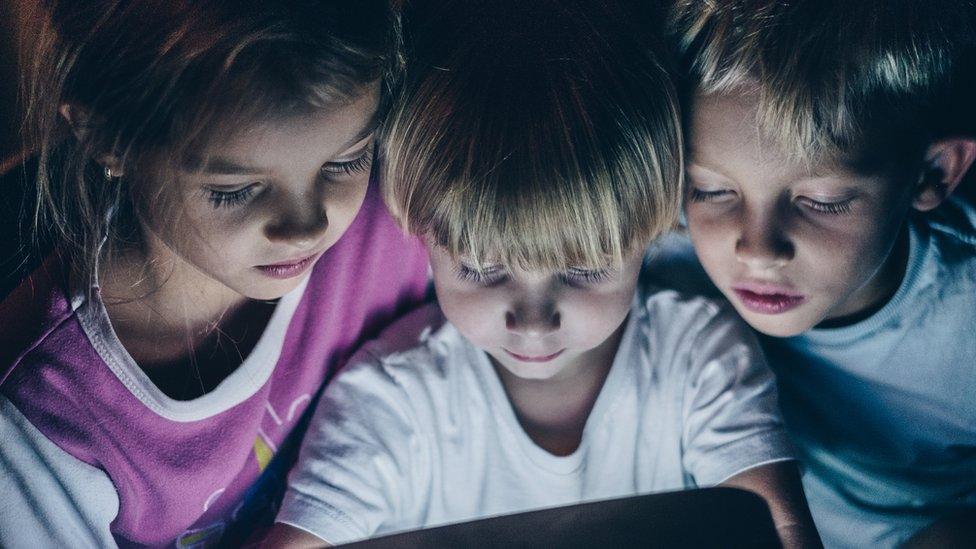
(577, 276)
(496, 274)
(488, 276)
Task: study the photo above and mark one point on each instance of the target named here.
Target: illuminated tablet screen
(708, 517)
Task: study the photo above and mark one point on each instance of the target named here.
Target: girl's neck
(186, 331)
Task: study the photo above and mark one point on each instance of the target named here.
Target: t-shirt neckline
(240, 385)
(561, 465)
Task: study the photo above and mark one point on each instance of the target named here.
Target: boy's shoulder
(687, 324)
(414, 349)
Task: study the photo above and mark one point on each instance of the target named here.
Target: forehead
(726, 136)
(281, 140)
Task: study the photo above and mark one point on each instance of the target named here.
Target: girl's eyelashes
(230, 198)
(350, 167)
(831, 208)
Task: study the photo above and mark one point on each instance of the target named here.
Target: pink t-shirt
(192, 472)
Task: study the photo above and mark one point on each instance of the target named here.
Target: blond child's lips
(534, 358)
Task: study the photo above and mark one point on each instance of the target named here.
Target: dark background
(13, 13)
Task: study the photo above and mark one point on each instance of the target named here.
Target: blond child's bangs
(834, 78)
(546, 153)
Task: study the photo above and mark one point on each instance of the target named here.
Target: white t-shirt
(425, 436)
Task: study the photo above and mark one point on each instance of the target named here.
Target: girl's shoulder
(33, 316)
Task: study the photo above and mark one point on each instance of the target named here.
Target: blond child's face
(269, 202)
(536, 325)
(791, 245)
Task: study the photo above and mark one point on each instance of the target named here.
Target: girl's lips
(523, 358)
(289, 269)
(767, 300)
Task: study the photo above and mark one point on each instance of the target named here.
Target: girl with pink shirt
(222, 248)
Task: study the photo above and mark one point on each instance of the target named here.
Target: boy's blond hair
(540, 134)
(863, 82)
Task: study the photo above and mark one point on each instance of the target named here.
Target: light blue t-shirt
(884, 411)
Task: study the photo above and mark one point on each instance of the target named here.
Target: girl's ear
(79, 119)
(947, 162)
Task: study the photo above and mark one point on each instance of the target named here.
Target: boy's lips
(767, 298)
(534, 358)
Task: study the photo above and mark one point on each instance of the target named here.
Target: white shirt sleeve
(360, 452)
(50, 498)
(732, 419)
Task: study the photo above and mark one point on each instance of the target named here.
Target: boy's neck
(553, 412)
(883, 286)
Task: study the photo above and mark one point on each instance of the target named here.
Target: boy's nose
(763, 247)
(533, 320)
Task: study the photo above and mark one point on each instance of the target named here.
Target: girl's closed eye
(360, 164)
(230, 198)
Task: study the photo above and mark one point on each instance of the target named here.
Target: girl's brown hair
(152, 84)
(543, 134)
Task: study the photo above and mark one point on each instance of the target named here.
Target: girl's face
(536, 325)
(257, 214)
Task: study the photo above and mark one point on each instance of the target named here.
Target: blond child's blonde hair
(862, 82)
(540, 134)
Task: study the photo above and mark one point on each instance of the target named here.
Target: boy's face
(790, 244)
(537, 325)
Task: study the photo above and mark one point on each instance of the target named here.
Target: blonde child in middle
(536, 148)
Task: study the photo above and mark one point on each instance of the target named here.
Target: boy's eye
(230, 198)
(832, 208)
(350, 167)
(698, 195)
(487, 277)
(576, 276)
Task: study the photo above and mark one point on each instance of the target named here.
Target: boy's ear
(79, 120)
(946, 163)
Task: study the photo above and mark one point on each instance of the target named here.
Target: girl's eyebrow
(218, 165)
(222, 166)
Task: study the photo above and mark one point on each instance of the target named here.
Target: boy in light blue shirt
(824, 144)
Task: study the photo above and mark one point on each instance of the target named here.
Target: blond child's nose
(533, 320)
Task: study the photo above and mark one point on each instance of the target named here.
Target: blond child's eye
(584, 276)
(698, 195)
(487, 277)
